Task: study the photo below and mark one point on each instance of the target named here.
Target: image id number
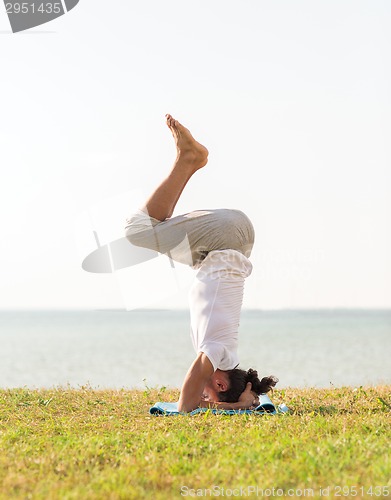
(30, 8)
(353, 491)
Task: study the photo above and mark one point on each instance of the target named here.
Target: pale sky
(292, 100)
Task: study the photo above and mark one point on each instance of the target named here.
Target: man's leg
(191, 156)
(189, 237)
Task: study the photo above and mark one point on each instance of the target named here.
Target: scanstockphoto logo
(26, 15)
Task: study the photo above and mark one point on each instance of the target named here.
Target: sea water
(152, 348)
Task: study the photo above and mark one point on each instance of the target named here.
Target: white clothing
(216, 298)
(188, 238)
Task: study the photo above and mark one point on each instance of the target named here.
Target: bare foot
(188, 148)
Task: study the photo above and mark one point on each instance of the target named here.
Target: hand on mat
(247, 398)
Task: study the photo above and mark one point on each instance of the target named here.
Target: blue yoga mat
(265, 406)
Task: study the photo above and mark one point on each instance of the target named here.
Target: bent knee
(138, 223)
(130, 233)
(140, 237)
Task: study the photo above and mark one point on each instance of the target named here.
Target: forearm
(219, 405)
(247, 399)
(194, 383)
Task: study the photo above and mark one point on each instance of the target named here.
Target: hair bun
(260, 386)
(268, 383)
(251, 374)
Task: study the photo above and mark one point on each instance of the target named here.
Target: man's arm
(193, 386)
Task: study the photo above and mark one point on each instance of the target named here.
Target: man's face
(210, 394)
(218, 382)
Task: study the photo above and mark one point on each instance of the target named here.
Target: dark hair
(238, 380)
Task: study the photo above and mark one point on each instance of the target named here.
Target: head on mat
(227, 386)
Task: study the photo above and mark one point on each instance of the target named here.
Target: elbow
(182, 408)
(186, 407)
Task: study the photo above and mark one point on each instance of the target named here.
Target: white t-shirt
(216, 298)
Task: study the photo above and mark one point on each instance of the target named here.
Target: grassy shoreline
(103, 444)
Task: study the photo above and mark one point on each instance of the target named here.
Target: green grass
(87, 444)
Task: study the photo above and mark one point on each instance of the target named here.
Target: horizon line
(166, 309)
